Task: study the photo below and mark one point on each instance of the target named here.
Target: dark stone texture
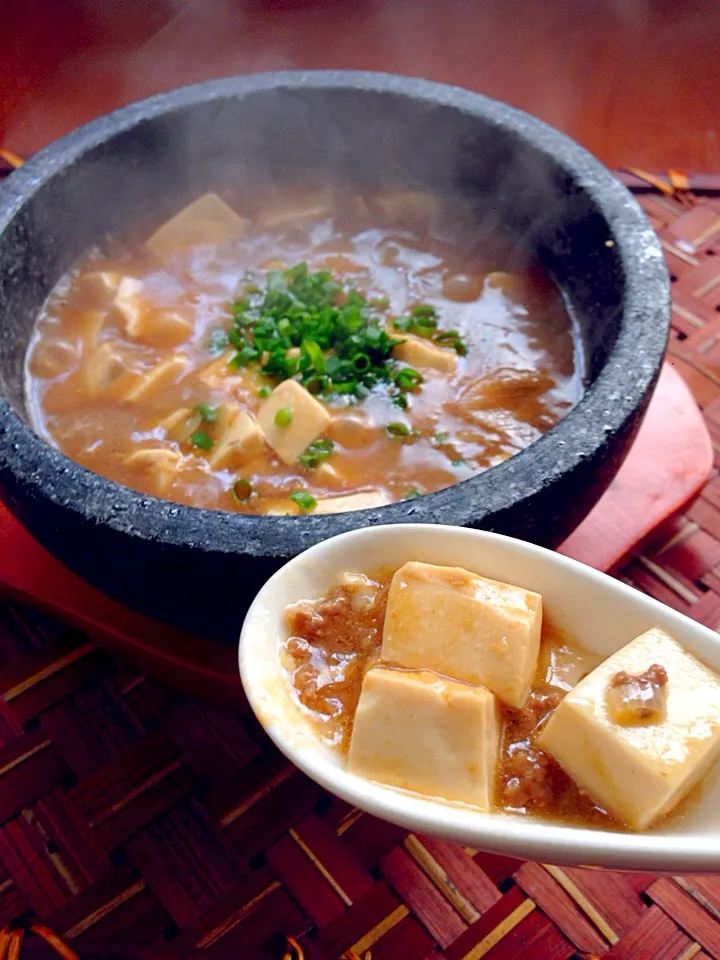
(505, 169)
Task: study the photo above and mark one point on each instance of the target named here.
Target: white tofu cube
(426, 733)
(128, 302)
(354, 501)
(103, 369)
(157, 326)
(100, 284)
(160, 463)
(422, 353)
(238, 438)
(309, 419)
(464, 626)
(639, 773)
(138, 386)
(207, 220)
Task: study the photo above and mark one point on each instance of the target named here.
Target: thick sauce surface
(332, 643)
(521, 374)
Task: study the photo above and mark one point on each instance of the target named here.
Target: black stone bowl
(198, 569)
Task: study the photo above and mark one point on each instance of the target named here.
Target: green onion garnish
(398, 429)
(264, 391)
(202, 440)
(284, 416)
(207, 413)
(242, 490)
(245, 356)
(412, 494)
(317, 451)
(442, 437)
(458, 463)
(408, 378)
(423, 322)
(304, 500)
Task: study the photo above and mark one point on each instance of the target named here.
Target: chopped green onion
(412, 494)
(408, 378)
(283, 418)
(264, 392)
(245, 356)
(202, 440)
(207, 413)
(424, 311)
(304, 325)
(303, 499)
(242, 490)
(458, 463)
(451, 338)
(314, 354)
(317, 451)
(398, 429)
(442, 437)
(361, 362)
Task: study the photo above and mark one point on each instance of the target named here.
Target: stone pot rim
(606, 408)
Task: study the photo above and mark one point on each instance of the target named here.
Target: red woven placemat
(134, 818)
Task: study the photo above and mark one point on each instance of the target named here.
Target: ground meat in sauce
(655, 674)
(528, 779)
(334, 641)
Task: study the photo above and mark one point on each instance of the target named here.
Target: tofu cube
(104, 369)
(464, 626)
(238, 438)
(639, 773)
(207, 220)
(428, 734)
(422, 353)
(128, 302)
(309, 420)
(354, 501)
(161, 463)
(138, 386)
(100, 285)
(157, 326)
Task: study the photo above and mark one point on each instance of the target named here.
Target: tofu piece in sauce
(426, 733)
(464, 626)
(238, 438)
(639, 772)
(306, 417)
(354, 501)
(207, 220)
(421, 353)
(159, 327)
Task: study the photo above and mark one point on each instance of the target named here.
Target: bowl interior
(134, 174)
(602, 614)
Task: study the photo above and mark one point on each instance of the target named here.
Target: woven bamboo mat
(137, 822)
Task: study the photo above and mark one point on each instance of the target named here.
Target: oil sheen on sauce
(332, 643)
(522, 373)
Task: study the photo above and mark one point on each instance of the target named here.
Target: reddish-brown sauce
(523, 369)
(332, 643)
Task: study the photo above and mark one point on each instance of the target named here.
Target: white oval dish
(600, 612)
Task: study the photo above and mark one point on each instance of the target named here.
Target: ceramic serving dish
(600, 612)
